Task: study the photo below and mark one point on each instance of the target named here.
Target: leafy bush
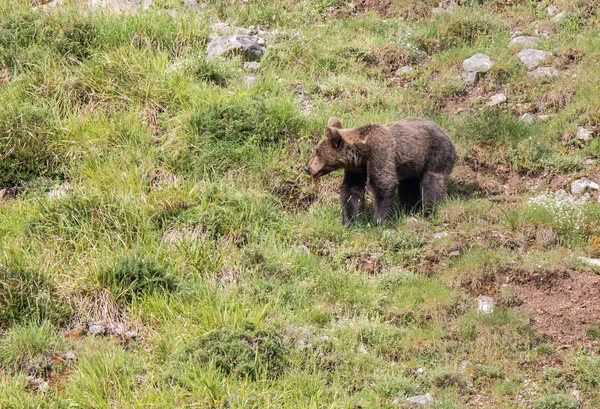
(243, 352)
(135, 274)
(27, 145)
(28, 295)
(556, 401)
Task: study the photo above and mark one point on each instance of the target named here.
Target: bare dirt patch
(562, 304)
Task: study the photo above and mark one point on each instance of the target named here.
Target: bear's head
(328, 155)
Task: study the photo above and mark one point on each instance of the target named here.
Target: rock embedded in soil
(246, 45)
(70, 355)
(496, 99)
(407, 69)
(532, 57)
(543, 72)
(580, 186)
(595, 262)
(524, 41)
(583, 134)
(96, 329)
(478, 63)
(486, 304)
(420, 400)
(470, 78)
(527, 118)
(252, 66)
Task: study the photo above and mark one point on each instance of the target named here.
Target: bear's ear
(335, 123)
(334, 137)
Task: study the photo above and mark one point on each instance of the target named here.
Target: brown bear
(413, 156)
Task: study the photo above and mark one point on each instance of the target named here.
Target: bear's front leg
(383, 186)
(433, 186)
(352, 195)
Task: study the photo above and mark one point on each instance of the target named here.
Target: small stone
(252, 66)
(70, 355)
(589, 162)
(362, 349)
(551, 10)
(43, 386)
(560, 16)
(478, 62)
(441, 235)
(527, 118)
(249, 80)
(420, 400)
(247, 45)
(532, 58)
(407, 69)
(583, 134)
(486, 304)
(496, 99)
(455, 253)
(420, 371)
(590, 261)
(580, 186)
(116, 329)
(470, 78)
(324, 338)
(524, 41)
(59, 191)
(543, 72)
(411, 219)
(96, 329)
(543, 117)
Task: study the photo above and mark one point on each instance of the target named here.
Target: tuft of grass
(556, 401)
(135, 274)
(28, 295)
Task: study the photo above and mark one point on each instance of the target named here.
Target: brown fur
(413, 156)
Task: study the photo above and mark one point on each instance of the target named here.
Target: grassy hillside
(160, 245)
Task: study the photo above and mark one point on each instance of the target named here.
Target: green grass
(186, 215)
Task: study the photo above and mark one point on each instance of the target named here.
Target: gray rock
(70, 355)
(454, 253)
(595, 262)
(362, 349)
(543, 72)
(527, 118)
(551, 10)
(580, 186)
(496, 99)
(131, 334)
(532, 57)
(421, 400)
(222, 29)
(420, 371)
(43, 386)
(478, 63)
(246, 45)
(524, 41)
(486, 304)
(583, 134)
(96, 329)
(249, 80)
(441, 235)
(407, 69)
(470, 78)
(560, 16)
(252, 66)
(116, 329)
(589, 162)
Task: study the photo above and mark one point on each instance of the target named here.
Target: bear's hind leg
(433, 187)
(352, 195)
(409, 194)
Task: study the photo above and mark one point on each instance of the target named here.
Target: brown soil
(562, 305)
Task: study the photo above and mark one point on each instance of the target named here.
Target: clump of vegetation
(248, 353)
(493, 128)
(556, 401)
(27, 295)
(28, 147)
(135, 274)
(563, 212)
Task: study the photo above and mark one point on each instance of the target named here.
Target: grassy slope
(189, 219)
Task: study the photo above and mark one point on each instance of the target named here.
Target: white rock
(420, 371)
(524, 41)
(583, 134)
(325, 338)
(478, 62)
(247, 45)
(527, 118)
(96, 329)
(496, 99)
(551, 10)
(486, 304)
(59, 191)
(362, 349)
(70, 355)
(590, 261)
(543, 72)
(252, 66)
(560, 16)
(420, 400)
(455, 253)
(403, 70)
(441, 235)
(532, 58)
(580, 186)
(589, 162)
